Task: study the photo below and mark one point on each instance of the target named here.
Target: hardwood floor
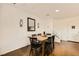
(66, 49)
(61, 49)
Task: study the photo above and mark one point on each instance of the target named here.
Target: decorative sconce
(21, 22)
(37, 25)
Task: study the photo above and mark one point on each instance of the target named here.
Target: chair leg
(53, 45)
(31, 52)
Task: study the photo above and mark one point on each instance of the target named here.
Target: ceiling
(48, 10)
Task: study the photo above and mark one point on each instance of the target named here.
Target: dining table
(42, 39)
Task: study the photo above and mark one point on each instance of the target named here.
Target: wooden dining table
(42, 39)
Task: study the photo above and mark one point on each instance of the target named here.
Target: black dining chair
(48, 46)
(35, 47)
(53, 43)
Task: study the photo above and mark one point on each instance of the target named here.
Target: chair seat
(36, 45)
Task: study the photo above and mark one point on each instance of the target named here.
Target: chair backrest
(48, 34)
(53, 38)
(34, 34)
(39, 34)
(33, 41)
(49, 40)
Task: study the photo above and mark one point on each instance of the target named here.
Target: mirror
(30, 24)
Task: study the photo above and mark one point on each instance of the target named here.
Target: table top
(40, 38)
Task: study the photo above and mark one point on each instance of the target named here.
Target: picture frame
(30, 24)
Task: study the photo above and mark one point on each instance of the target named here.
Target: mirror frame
(28, 24)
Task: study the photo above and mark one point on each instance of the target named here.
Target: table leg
(43, 46)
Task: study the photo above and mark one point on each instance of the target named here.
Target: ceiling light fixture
(57, 10)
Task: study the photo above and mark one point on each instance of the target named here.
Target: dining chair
(48, 46)
(53, 43)
(35, 47)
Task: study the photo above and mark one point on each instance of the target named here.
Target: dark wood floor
(61, 49)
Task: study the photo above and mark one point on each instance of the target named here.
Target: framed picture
(30, 24)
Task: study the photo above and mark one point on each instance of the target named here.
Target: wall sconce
(21, 22)
(37, 25)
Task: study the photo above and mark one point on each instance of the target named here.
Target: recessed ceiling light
(57, 10)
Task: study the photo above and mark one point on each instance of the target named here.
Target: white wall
(63, 28)
(12, 36)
